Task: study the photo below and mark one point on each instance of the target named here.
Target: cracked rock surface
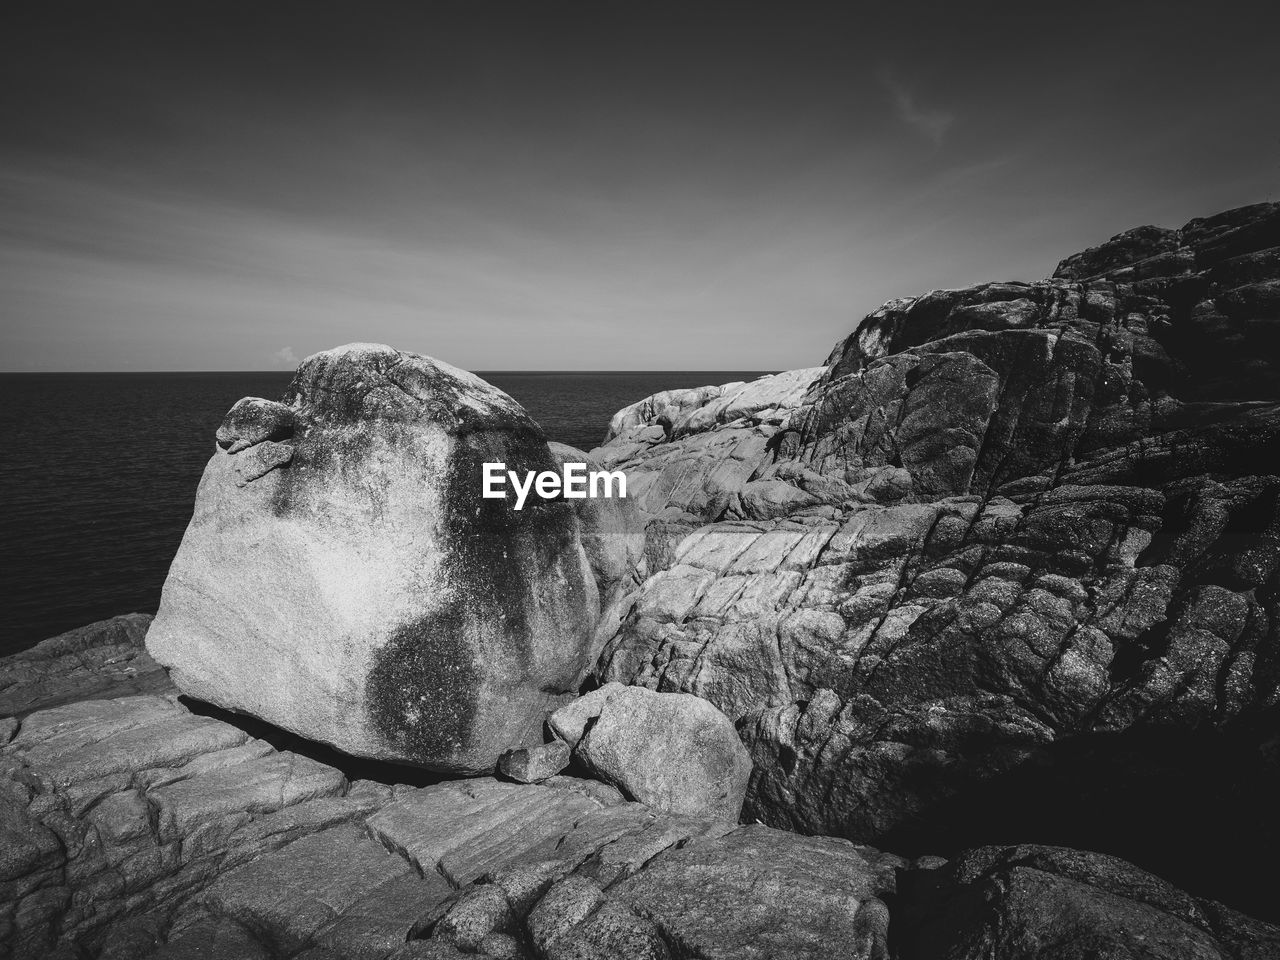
(135, 828)
(1007, 565)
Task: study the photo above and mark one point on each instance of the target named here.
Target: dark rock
(1121, 252)
(1024, 902)
(1039, 578)
(104, 659)
(805, 897)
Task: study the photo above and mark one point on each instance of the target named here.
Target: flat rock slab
(101, 660)
(464, 829)
(759, 892)
(297, 890)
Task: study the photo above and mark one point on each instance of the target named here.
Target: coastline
(925, 651)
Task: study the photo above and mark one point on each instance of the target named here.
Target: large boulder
(674, 752)
(344, 578)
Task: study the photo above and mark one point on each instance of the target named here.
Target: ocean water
(99, 471)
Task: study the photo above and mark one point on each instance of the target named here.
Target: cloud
(286, 357)
(930, 124)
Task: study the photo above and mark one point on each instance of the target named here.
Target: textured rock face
(343, 578)
(1027, 902)
(673, 752)
(104, 659)
(1010, 559)
(132, 828)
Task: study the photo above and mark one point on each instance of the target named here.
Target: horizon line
(65, 373)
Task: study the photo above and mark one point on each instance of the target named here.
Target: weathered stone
(355, 587)
(1025, 567)
(673, 752)
(101, 660)
(1019, 903)
(465, 829)
(801, 897)
(295, 891)
(535, 764)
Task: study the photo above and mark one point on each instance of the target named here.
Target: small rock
(534, 764)
(481, 912)
(674, 752)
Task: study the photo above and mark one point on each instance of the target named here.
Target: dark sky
(588, 185)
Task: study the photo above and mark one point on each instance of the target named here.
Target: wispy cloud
(933, 125)
(285, 357)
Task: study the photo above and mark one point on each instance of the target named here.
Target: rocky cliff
(1005, 567)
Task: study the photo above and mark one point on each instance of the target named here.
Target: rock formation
(98, 661)
(996, 588)
(343, 578)
(673, 752)
(1010, 559)
(1028, 902)
(132, 828)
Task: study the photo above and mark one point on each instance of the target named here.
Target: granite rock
(1025, 902)
(103, 659)
(673, 752)
(1026, 567)
(343, 578)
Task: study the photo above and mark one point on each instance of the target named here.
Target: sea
(98, 474)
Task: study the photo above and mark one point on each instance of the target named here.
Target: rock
(462, 830)
(295, 893)
(802, 897)
(119, 814)
(135, 828)
(103, 659)
(631, 882)
(610, 529)
(535, 764)
(348, 583)
(612, 534)
(1023, 902)
(252, 421)
(672, 752)
(1023, 568)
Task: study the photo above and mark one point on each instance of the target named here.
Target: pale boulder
(672, 751)
(343, 578)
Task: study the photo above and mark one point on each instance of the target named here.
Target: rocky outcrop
(1006, 568)
(134, 828)
(343, 578)
(1010, 559)
(102, 660)
(698, 447)
(673, 752)
(1032, 902)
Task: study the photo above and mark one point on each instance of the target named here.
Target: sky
(588, 185)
